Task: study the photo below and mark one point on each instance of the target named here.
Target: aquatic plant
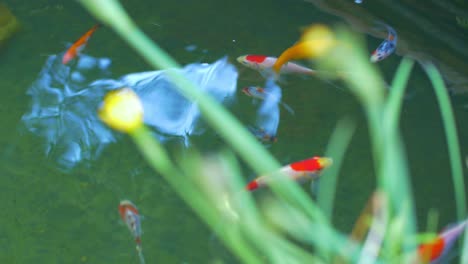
(288, 226)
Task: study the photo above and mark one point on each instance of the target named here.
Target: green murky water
(54, 216)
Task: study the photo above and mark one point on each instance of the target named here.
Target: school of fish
(299, 171)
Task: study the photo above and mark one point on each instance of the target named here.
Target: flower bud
(122, 110)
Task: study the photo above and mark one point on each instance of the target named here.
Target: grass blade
(453, 144)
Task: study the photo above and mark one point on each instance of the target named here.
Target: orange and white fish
(264, 63)
(79, 45)
(300, 171)
(131, 217)
(262, 94)
(387, 47)
(435, 250)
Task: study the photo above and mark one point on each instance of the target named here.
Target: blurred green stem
(243, 142)
(158, 158)
(225, 124)
(452, 138)
(338, 143)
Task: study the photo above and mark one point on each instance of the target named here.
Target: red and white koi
(264, 63)
(433, 251)
(262, 94)
(300, 171)
(131, 217)
(79, 45)
(387, 47)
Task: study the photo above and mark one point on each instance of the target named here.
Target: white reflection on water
(268, 115)
(64, 101)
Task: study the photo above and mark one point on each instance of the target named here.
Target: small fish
(307, 169)
(387, 47)
(79, 45)
(264, 63)
(262, 135)
(433, 251)
(131, 217)
(358, 1)
(260, 93)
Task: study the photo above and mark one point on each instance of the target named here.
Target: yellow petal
(319, 39)
(122, 110)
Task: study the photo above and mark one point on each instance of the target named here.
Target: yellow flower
(122, 110)
(319, 39)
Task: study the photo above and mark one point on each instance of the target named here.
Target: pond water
(56, 212)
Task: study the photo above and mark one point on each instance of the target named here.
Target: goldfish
(261, 93)
(436, 249)
(79, 45)
(264, 63)
(387, 47)
(307, 169)
(131, 217)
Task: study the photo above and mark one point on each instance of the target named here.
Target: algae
(8, 24)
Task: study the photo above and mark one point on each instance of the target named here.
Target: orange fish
(79, 45)
(297, 171)
(131, 217)
(436, 249)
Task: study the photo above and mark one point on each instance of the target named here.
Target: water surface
(53, 214)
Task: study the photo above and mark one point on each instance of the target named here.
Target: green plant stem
(338, 143)
(218, 117)
(452, 138)
(396, 96)
(395, 167)
(157, 157)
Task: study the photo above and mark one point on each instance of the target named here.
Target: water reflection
(63, 110)
(268, 114)
(65, 99)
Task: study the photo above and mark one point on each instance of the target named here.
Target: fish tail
(98, 25)
(391, 32)
(140, 254)
(287, 55)
(139, 250)
(288, 108)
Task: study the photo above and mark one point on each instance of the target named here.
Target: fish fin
(379, 25)
(314, 187)
(332, 84)
(288, 108)
(268, 73)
